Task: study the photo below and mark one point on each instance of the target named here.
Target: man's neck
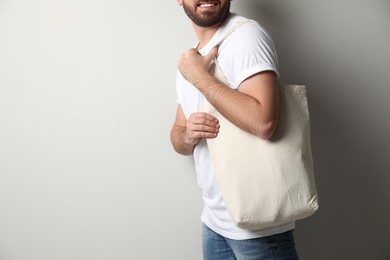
(205, 34)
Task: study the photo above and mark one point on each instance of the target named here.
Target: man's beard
(207, 19)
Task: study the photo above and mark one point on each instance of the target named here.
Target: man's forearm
(255, 108)
(243, 110)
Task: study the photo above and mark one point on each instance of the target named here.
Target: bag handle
(217, 69)
(235, 27)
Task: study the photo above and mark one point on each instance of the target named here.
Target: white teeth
(207, 5)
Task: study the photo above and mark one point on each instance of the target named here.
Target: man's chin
(209, 19)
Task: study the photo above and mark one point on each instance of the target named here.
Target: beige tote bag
(266, 183)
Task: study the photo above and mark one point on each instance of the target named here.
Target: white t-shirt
(245, 52)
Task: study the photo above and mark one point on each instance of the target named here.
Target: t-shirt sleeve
(249, 51)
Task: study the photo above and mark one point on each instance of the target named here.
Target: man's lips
(207, 4)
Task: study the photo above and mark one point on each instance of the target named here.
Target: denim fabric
(275, 247)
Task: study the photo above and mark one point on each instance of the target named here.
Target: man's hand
(201, 125)
(194, 66)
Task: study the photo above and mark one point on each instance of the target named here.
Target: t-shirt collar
(220, 33)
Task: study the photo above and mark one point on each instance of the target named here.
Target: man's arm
(254, 108)
(185, 134)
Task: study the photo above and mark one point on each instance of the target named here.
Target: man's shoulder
(233, 21)
(243, 27)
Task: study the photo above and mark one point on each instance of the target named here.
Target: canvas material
(266, 183)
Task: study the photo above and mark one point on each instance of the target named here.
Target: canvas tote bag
(265, 183)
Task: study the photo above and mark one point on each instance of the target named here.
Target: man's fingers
(202, 125)
(204, 118)
(205, 128)
(202, 134)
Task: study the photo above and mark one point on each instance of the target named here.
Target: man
(250, 101)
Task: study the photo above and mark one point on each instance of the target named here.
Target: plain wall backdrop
(87, 100)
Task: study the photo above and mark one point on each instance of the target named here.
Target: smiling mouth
(207, 4)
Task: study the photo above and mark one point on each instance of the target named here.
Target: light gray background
(87, 100)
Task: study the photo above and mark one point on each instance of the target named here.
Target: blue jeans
(275, 247)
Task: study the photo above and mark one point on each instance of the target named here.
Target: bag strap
(218, 73)
(232, 30)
